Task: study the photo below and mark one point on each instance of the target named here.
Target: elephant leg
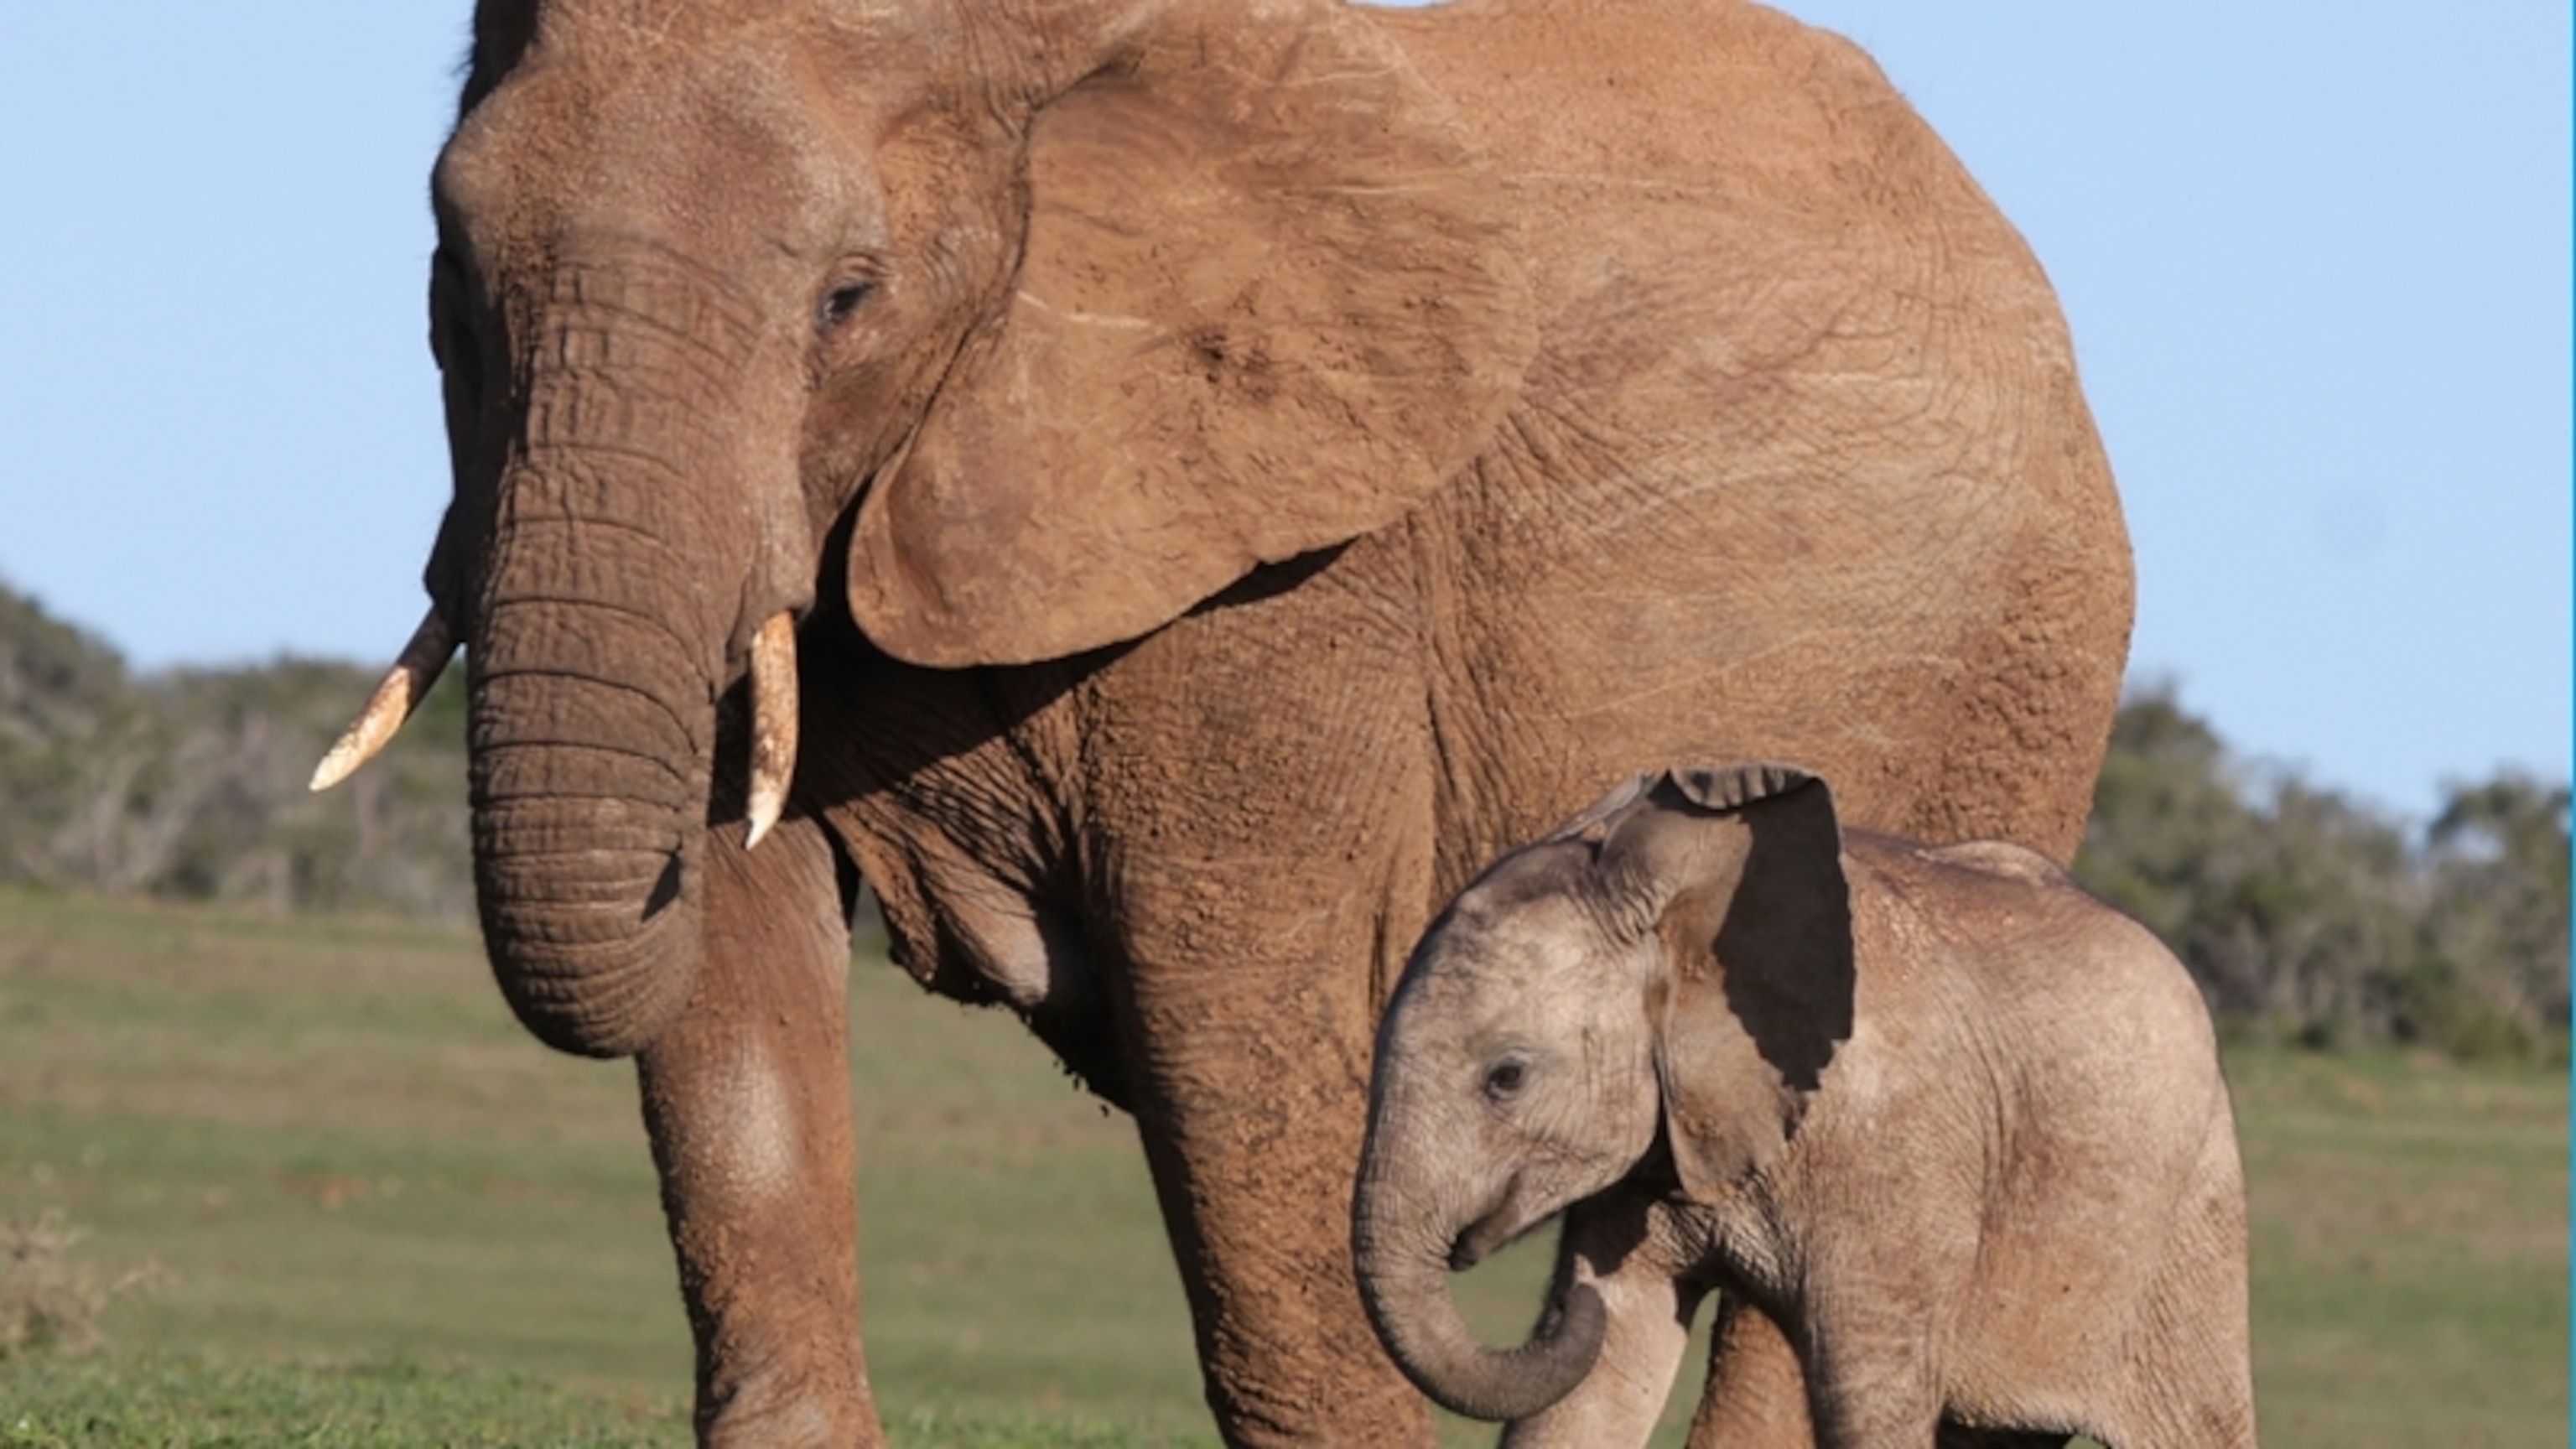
(1869, 1379)
(747, 1100)
(1251, 1104)
(1259, 795)
(1612, 1243)
(1757, 1395)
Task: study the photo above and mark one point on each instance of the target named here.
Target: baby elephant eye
(1504, 1079)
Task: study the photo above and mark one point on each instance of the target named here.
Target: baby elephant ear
(1756, 927)
(1596, 819)
(1268, 302)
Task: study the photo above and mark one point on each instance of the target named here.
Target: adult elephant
(1199, 478)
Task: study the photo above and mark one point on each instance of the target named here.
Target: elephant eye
(1503, 1080)
(842, 302)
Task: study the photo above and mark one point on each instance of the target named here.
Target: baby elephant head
(1672, 966)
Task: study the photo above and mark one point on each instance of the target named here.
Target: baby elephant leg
(1869, 1376)
(1756, 1396)
(1613, 1244)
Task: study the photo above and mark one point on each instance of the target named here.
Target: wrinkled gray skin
(1949, 1126)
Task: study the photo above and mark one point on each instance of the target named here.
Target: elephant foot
(758, 1415)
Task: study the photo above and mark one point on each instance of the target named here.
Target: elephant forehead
(1555, 870)
(1502, 952)
(725, 152)
(643, 34)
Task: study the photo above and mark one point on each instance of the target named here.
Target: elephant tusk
(773, 723)
(405, 686)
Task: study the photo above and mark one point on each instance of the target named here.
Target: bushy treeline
(191, 782)
(2305, 913)
(2309, 915)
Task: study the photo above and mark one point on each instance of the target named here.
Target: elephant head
(1673, 967)
(1000, 332)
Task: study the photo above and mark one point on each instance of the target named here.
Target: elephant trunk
(615, 605)
(589, 796)
(1403, 1256)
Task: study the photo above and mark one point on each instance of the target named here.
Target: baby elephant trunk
(1404, 1279)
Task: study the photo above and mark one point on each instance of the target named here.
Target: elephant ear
(1596, 819)
(1267, 303)
(1757, 929)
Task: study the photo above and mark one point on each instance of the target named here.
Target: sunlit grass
(372, 1195)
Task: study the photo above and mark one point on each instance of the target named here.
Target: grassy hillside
(381, 1214)
(2307, 914)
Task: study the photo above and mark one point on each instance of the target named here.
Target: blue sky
(2316, 259)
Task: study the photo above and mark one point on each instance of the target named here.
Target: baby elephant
(1943, 1121)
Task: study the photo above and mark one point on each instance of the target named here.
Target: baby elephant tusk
(773, 723)
(405, 686)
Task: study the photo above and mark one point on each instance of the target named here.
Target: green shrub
(2309, 917)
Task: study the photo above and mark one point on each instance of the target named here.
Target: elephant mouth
(1509, 1222)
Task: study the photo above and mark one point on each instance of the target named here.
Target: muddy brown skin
(1935, 1116)
(1236, 466)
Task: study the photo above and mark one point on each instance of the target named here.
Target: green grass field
(381, 1215)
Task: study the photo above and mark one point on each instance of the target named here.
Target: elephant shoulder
(2002, 858)
(1981, 904)
(2019, 923)
(1915, 868)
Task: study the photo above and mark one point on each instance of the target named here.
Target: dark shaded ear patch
(1785, 950)
(1758, 927)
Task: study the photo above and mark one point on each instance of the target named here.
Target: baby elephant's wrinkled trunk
(1403, 1235)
